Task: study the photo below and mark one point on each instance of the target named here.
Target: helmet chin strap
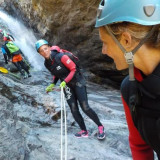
(129, 55)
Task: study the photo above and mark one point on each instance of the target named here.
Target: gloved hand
(63, 84)
(50, 87)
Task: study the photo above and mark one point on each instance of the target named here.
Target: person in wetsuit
(11, 50)
(72, 80)
(131, 36)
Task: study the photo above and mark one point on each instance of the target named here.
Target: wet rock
(12, 142)
(30, 124)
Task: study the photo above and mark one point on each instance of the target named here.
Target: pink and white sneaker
(101, 133)
(81, 134)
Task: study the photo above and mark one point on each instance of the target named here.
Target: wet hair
(137, 32)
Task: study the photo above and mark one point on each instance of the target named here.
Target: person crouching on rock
(11, 50)
(64, 68)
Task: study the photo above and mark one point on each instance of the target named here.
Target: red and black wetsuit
(63, 68)
(143, 117)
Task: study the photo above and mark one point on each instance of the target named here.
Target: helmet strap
(129, 55)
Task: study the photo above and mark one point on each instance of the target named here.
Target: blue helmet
(40, 43)
(144, 12)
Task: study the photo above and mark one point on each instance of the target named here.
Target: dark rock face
(69, 24)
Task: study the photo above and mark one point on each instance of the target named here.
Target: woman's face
(111, 49)
(45, 51)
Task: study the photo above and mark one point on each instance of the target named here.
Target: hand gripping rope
(63, 110)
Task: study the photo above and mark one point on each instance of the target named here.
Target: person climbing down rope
(64, 66)
(10, 50)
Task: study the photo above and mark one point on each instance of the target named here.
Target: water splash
(24, 38)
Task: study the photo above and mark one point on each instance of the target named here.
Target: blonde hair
(137, 32)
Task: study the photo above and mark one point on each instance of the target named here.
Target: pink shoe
(81, 134)
(101, 132)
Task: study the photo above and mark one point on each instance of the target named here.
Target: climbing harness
(63, 113)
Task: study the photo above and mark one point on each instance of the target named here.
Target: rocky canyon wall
(69, 24)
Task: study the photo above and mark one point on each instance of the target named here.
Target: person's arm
(55, 79)
(140, 150)
(5, 55)
(68, 63)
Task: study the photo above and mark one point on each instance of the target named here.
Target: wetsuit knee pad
(73, 107)
(85, 107)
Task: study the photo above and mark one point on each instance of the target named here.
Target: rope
(63, 110)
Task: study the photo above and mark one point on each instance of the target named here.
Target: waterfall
(24, 38)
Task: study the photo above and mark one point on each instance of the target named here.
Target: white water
(24, 38)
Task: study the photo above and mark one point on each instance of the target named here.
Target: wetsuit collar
(151, 84)
(52, 55)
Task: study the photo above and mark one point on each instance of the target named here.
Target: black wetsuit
(144, 105)
(75, 91)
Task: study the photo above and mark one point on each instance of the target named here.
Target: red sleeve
(70, 65)
(140, 150)
(54, 78)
